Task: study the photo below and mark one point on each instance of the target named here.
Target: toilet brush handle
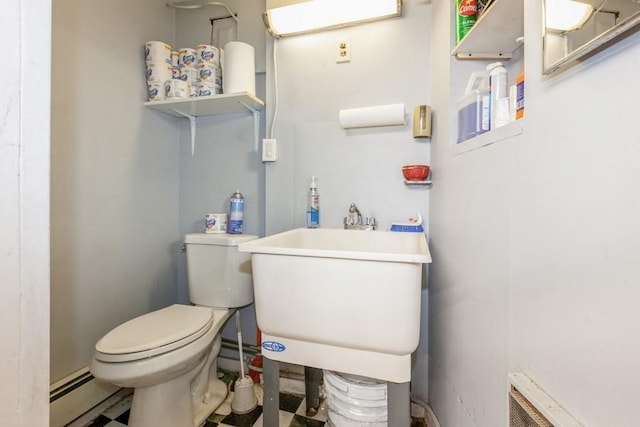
(239, 330)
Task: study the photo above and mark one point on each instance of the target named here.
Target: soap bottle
(313, 205)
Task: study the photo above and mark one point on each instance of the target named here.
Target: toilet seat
(155, 333)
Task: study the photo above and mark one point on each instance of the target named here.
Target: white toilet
(169, 356)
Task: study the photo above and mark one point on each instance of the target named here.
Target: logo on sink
(273, 346)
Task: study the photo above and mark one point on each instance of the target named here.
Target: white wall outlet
(344, 51)
(269, 150)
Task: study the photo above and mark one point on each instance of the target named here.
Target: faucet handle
(370, 221)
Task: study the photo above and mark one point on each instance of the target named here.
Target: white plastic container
(355, 401)
(499, 98)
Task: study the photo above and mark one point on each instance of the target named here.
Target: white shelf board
(495, 34)
(241, 102)
(503, 133)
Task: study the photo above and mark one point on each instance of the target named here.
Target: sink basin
(345, 300)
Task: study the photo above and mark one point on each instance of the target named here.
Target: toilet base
(202, 409)
(169, 404)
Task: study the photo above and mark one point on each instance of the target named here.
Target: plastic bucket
(355, 401)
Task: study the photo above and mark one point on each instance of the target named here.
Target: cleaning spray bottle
(313, 205)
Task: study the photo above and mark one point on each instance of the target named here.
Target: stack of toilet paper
(159, 69)
(184, 73)
(195, 72)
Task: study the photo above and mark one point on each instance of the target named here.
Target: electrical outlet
(344, 51)
(269, 150)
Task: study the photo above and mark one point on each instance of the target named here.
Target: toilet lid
(155, 333)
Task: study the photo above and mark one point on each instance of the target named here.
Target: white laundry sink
(345, 300)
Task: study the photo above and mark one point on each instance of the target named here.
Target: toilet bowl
(167, 357)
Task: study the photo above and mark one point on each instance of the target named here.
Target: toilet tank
(218, 274)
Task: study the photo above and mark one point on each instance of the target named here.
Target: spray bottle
(313, 205)
(236, 213)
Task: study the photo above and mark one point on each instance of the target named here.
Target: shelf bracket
(192, 128)
(256, 124)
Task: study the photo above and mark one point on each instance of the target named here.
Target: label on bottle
(313, 214)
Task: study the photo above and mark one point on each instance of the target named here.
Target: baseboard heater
(530, 406)
(75, 395)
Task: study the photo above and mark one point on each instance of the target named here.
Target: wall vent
(531, 406)
(523, 414)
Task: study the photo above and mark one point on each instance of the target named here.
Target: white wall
(534, 242)
(389, 65)
(114, 207)
(24, 208)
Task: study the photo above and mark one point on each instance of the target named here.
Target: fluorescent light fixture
(315, 15)
(566, 15)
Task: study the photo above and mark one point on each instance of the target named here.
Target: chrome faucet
(353, 220)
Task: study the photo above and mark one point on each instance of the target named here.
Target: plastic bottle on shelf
(466, 14)
(520, 95)
(499, 95)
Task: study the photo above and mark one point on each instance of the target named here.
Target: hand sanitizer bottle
(313, 205)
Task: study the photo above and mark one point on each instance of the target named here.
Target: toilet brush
(244, 397)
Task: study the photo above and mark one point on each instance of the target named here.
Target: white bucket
(355, 401)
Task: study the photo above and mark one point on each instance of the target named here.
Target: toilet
(169, 356)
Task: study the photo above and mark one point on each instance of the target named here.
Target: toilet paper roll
(239, 70)
(157, 51)
(209, 71)
(215, 223)
(382, 115)
(208, 87)
(207, 54)
(187, 57)
(155, 90)
(189, 75)
(176, 89)
(158, 70)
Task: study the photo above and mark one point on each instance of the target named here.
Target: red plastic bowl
(415, 172)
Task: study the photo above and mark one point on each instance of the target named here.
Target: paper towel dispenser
(422, 121)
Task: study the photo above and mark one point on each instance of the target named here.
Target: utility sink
(345, 300)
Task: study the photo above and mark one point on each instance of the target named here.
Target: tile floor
(292, 412)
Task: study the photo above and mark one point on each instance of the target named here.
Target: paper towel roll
(239, 70)
(382, 115)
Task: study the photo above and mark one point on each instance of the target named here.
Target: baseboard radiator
(530, 406)
(75, 395)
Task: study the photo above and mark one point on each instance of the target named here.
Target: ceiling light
(315, 15)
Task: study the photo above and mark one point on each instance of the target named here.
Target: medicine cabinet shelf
(496, 35)
(228, 103)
